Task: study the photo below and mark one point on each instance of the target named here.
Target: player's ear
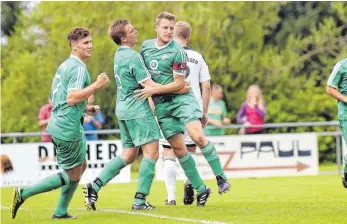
(73, 45)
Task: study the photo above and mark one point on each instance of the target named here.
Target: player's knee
(129, 158)
(200, 140)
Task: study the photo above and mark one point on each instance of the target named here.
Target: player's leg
(188, 196)
(343, 124)
(208, 150)
(112, 168)
(78, 162)
(145, 132)
(69, 159)
(169, 173)
(49, 183)
(146, 175)
(188, 164)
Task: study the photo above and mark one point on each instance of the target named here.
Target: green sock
(210, 154)
(188, 164)
(47, 184)
(345, 163)
(111, 170)
(146, 174)
(66, 194)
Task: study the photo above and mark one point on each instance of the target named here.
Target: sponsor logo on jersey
(164, 57)
(153, 64)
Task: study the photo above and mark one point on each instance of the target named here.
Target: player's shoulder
(342, 63)
(148, 43)
(192, 52)
(72, 63)
(176, 45)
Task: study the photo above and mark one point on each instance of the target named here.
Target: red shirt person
(44, 115)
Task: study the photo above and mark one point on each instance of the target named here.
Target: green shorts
(137, 132)
(70, 154)
(174, 112)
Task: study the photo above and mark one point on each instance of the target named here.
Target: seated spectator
(44, 115)
(92, 123)
(217, 112)
(252, 111)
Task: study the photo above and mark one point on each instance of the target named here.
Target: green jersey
(66, 121)
(163, 61)
(338, 80)
(216, 111)
(130, 71)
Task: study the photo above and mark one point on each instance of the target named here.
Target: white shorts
(187, 140)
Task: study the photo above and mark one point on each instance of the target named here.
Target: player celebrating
(166, 60)
(70, 91)
(197, 74)
(137, 124)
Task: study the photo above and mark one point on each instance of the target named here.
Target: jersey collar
(164, 46)
(73, 56)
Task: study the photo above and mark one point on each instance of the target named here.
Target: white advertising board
(263, 155)
(25, 164)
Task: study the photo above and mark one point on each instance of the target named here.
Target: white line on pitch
(141, 214)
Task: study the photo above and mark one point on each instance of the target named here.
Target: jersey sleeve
(138, 69)
(78, 76)
(335, 76)
(204, 74)
(180, 62)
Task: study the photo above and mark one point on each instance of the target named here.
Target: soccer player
(337, 88)
(197, 75)
(167, 61)
(70, 90)
(137, 123)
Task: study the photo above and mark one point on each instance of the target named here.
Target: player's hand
(247, 124)
(186, 88)
(204, 120)
(143, 94)
(226, 121)
(102, 80)
(87, 118)
(92, 110)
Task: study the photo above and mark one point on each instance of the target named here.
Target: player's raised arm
(77, 96)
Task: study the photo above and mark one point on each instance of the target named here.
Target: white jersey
(197, 72)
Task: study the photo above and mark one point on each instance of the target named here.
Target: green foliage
(288, 48)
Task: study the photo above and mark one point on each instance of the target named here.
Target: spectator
(92, 123)
(44, 115)
(252, 111)
(217, 112)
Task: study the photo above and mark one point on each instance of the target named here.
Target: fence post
(338, 151)
(15, 139)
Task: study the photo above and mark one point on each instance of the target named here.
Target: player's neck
(128, 45)
(83, 59)
(183, 43)
(160, 42)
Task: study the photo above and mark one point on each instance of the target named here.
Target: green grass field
(316, 199)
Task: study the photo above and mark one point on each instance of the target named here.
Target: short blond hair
(182, 30)
(165, 15)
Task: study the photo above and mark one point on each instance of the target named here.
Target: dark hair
(77, 33)
(116, 30)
